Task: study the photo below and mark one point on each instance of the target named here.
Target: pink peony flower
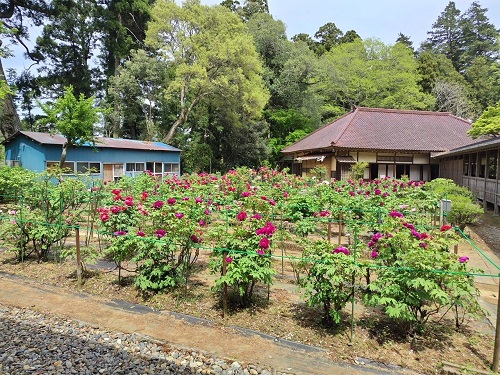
(463, 259)
(179, 215)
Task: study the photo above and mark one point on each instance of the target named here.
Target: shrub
(463, 212)
(248, 250)
(416, 275)
(358, 170)
(329, 281)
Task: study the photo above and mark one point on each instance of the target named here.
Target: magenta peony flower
(195, 238)
(444, 228)
(115, 209)
(341, 249)
(246, 194)
(229, 260)
(160, 233)
(141, 233)
(104, 217)
(179, 215)
(129, 201)
(120, 233)
(242, 216)
(171, 201)
(394, 213)
(158, 204)
(374, 254)
(463, 259)
(264, 243)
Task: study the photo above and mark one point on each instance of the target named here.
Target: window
(466, 165)
(492, 164)
(482, 164)
(68, 167)
(473, 163)
(134, 167)
(169, 168)
(84, 167)
(154, 167)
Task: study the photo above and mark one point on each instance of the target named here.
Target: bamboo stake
(496, 350)
(224, 296)
(78, 259)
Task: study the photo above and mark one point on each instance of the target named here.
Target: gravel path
(35, 343)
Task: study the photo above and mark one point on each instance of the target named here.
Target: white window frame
(88, 167)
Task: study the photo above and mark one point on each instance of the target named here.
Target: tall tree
(480, 37)
(140, 86)
(483, 77)
(369, 73)
(433, 66)
(328, 36)
(123, 24)
(72, 117)
(210, 53)
(67, 43)
(446, 35)
(405, 40)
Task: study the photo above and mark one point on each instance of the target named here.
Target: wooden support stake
(496, 349)
(455, 248)
(78, 259)
(224, 296)
(329, 232)
(340, 227)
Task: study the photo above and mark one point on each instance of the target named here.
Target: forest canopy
(226, 84)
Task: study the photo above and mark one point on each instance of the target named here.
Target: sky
(381, 19)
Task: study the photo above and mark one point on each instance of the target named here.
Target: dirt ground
(284, 316)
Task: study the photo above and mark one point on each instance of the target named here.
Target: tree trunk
(63, 154)
(9, 119)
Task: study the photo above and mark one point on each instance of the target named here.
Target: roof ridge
(318, 129)
(346, 125)
(414, 111)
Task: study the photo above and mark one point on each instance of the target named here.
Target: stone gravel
(36, 343)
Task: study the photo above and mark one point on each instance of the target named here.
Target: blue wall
(33, 156)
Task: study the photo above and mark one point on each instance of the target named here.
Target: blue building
(108, 158)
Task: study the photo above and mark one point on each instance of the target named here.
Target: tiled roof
(101, 142)
(478, 145)
(389, 129)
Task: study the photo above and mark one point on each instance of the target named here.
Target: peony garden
(379, 247)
